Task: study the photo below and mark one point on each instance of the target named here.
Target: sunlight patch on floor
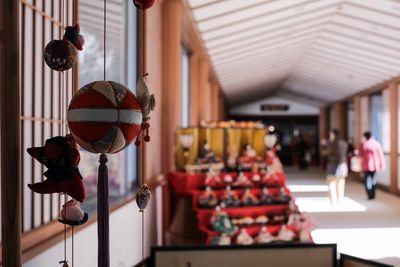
(368, 243)
(323, 204)
(308, 188)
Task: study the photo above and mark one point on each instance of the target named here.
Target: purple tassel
(102, 214)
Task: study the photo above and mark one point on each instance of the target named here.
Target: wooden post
(10, 134)
(171, 90)
(357, 120)
(323, 122)
(205, 90)
(393, 98)
(340, 118)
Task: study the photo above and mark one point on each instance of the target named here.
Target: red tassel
(146, 127)
(137, 142)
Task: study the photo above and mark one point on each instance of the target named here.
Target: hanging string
(72, 246)
(143, 238)
(143, 148)
(104, 38)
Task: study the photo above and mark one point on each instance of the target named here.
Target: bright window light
(323, 204)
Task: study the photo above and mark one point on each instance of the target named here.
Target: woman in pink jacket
(372, 160)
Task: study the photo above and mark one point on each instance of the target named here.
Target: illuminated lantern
(104, 117)
(143, 4)
(60, 55)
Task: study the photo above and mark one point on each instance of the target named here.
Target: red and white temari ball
(104, 117)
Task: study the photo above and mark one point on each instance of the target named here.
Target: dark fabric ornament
(64, 263)
(147, 103)
(60, 55)
(72, 214)
(61, 157)
(143, 197)
(72, 34)
(143, 4)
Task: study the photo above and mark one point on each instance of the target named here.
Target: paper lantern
(104, 117)
(143, 4)
(60, 55)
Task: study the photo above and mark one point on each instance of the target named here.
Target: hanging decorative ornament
(147, 103)
(111, 109)
(60, 55)
(143, 197)
(64, 263)
(72, 214)
(72, 34)
(143, 4)
(61, 158)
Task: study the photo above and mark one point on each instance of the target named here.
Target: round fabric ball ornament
(60, 55)
(143, 4)
(104, 117)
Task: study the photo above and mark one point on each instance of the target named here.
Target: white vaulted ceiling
(323, 50)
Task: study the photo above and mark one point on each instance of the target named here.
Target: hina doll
(248, 199)
(266, 197)
(249, 155)
(242, 181)
(270, 180)
(222, 240)
(208, 199)
(285, 234)
(207, 155)
(230, 198)
(264, 236)
(212, 179)
(256, 178)
(220, 222)
(262, 219)
(244, 238)
(283, 196)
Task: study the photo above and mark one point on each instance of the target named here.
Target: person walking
(336, 152)
(372, 160)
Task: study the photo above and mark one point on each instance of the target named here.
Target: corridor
(361, 228)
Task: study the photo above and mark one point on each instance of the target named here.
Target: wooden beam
(340, 118)
(393, 98)
(10, 134)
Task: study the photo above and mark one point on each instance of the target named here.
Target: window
(44, 105)
(121, 29)
(376, 115)
(185, 88)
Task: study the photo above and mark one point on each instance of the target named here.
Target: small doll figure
(256, 178)
(249, 155)
(262, 219)
(220, 222)
(228, 179)
(212, 179)
(264, 236)
(230, 198)
(72, 214)
(244, 238)
(248, 199)
(294, 215)
(265, 197)
(232, 158)
(61, 158)
(285, 234)
(72, 34)
(270, 180)
(207, 155)
(283, 196)
(242, 181)
(222, 240)
(208, 199)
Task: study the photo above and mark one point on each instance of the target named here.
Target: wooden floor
(363, 228)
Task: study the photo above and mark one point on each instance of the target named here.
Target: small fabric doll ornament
(72, 34)
(72, 214)
(147, 103)
(61, 158)
(143, 197)
(143, 4)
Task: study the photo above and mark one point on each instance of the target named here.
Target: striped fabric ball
(104, 117)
